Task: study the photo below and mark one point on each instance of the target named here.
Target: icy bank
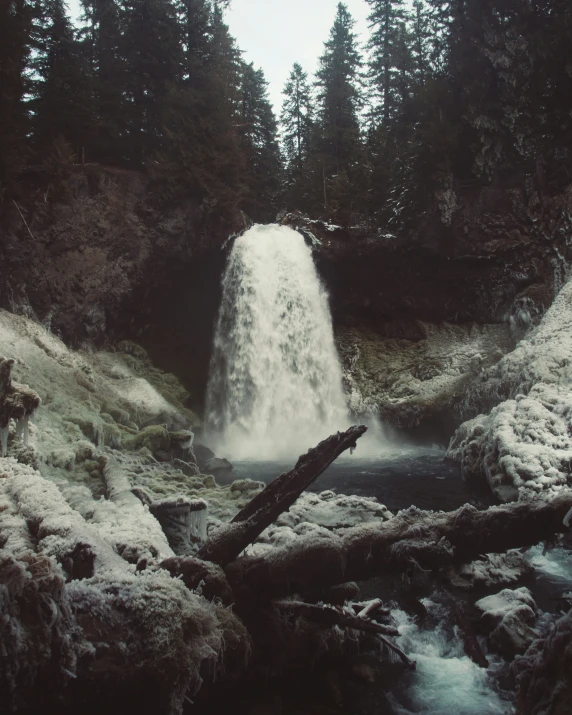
(524, 445)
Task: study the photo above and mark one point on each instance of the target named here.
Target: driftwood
(329, 616)
(228, 542)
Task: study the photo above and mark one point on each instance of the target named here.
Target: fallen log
(413, 539)
(229, 541)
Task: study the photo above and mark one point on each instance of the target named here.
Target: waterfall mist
(275, 383)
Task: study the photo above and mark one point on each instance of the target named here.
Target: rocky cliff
(418, 317)
(99, 254)
(92, 253)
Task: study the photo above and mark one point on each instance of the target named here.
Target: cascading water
(275, 384)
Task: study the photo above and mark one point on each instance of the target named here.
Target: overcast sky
(276, 33)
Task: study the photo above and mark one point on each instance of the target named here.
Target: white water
(275, 384)
(445, 680)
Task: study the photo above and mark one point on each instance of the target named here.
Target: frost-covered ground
(75, 536)
(408, 382)
(524, 444)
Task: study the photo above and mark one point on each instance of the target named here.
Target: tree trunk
(413, 539)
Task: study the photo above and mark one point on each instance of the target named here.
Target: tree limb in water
(413, 539)
(329, 616)
(229, 541)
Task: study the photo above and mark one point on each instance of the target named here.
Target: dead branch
(374, 606)
(328, 616)
(229, 541)
(23, 219)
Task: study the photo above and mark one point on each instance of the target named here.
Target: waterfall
(275, 383)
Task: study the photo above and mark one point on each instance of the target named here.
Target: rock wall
(90, 254)
(500, 258)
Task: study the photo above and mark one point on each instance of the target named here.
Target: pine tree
(386, 46)
(62, 93)
(297, 123)
(16, 18)
(420, 31)
(152, 51)
(339, 101)
(259, 131)
(102, 40)
(203, 157)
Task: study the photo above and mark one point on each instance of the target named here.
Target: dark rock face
(498, 258)
(98, 252)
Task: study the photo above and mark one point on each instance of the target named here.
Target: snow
(491, 570)
(509, 616)
(524, 445)
(406, 381)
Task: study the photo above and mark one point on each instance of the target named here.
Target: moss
(112, 435)
(153, 438)
(128, 347)
(84, 452)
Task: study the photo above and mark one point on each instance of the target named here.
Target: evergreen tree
(16, 17)
(62, 94)
(420, 31)
(203, 157)
(386, 45)
(259, 131)
(297, 130)
(102, 44)
(152, 51)
(339, 101)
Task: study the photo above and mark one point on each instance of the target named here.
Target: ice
(4, 440)
(524, 445)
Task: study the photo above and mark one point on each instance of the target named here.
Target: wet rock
(203, 454)
(218, 465)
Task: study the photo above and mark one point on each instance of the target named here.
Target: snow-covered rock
(491, 570)
(508, 617)
(524, 445)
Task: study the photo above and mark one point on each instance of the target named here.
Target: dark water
(397, 477)
(446, 681)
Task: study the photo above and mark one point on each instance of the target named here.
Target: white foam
(445, 681)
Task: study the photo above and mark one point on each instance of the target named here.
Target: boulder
(218, 465)
(508, 617)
